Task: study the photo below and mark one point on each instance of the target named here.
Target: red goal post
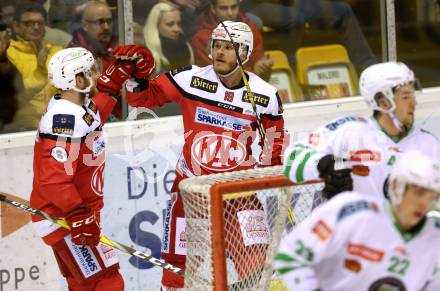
(234, 222)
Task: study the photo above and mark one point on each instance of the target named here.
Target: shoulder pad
(335, 124)
(179, 70)
(203, 84)
(63, 124)
(265, 95)
(66, 119)
(352, 207)
(428, 132)
(259, 99)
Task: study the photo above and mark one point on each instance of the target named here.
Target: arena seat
(327, 69)
(283, 78)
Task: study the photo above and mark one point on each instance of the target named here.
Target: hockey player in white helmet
(242, 37)
(68, 160)
(220, 124)
(364, 243)
(369, 145)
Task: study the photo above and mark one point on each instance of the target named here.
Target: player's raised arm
(142, 90)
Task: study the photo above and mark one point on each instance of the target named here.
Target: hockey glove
(140, 56)
(114, 76)
(336, 181)
(84, 227)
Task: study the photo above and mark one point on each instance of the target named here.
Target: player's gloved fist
(113, 77)
(84, 227)
(336, 181)
(139, 55)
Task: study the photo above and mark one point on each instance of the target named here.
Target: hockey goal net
(234, 223)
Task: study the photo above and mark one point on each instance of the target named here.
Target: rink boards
(141, 156)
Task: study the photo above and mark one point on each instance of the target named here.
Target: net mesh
(254, 222)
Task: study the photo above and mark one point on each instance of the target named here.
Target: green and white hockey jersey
(352, 242)
(360, 141)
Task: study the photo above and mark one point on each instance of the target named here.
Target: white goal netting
(234, 223)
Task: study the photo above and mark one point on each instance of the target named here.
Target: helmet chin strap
(399, 125)
(87, 89)
(231, 72)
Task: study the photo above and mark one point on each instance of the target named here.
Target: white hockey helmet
(66, 64)
(413, 168)
(240, 33)
(382, 78)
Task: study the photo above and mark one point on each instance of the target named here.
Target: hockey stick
(248, 88)
(103, 239)
(254, 107)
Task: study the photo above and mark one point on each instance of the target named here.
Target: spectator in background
(325, 14)
(67, 14)
(141, 9)
(94, 35)
(30, 52)
(164, 37)
(191, 11)
(95, 32)
(7, 11)
(11, 82)
(221, 10)
(62, 13)
(21, 102)
(53, 35)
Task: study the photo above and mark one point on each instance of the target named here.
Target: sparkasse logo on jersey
(12, 219)
(208, 117)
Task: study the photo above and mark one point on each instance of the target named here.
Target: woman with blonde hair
(164, 37)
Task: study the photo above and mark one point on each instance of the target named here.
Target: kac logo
(98, 180)
(216, 152)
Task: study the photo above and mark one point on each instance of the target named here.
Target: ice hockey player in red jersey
(69, 168)
(219, 121)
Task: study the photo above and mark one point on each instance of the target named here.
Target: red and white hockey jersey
(219, 122)
(69, 160)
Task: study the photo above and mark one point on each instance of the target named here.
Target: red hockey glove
(139, 55)
(84, 227)
(114, 76)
